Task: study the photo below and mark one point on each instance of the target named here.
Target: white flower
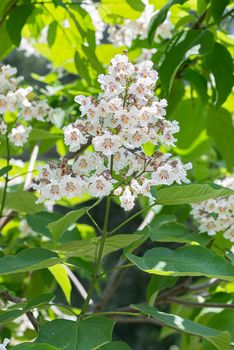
(3, 104)
(98, 186)
(84, 164)
(73, 137)
(163, 175)
(4, 344)
(107, 144)
(110, 86)
(127, 200)
(72, 186)
(229, 234)
(19, 135)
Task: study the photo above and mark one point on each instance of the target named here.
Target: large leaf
(18, 17)
(220, 127)
(184, 261)
(40, 134)
(6, 44)
(160, 17)
(217, 8)
(111, 12)
(28, 260)
(39, 222)
(221, 340)
(88, 247)
(116, 345)
(176, 53)
(89, 334)
(23, 202)
(193, 193)
(164, 228)
(222, 69)
(61, 225)
(31, 346)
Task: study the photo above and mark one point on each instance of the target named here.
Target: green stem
(132, 217)
(6, 177)
(98, 261)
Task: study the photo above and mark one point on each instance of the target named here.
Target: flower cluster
(215, 215)
(124, 35)
(15, 99)
(110, 137)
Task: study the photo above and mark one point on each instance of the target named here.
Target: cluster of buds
(217, 215)
(15, 99)
(109, 139)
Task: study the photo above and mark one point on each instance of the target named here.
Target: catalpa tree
(116, 175)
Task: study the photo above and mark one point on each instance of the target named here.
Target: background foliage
(181, 283)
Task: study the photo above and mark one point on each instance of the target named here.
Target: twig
(6, 176)
(200, 19)
(99, 259)
(16, 300)
(31, 164)
(205, 285)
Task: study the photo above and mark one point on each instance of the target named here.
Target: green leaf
(16, 21)
(81, 66)
(88, 334)
(176, 53)
(39, 222)
(217, 8)
(51, 35)
(164, 228)
(87, 247)
(28, 260)
(220, 127)
(192, 193)
(221, 340)
(116, 345)
(60, 274)
(30, 346)
(222, 69)
(111, 12)
(40, 134)
(23, 202)
(8, 316)
(6, 44)
(184, 261)
(5, 170)
(160, 17)
(61, 225)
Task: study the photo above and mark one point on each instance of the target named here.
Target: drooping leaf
(192, 193)
(51, 35)
(89, 334)
(17, 18)
(39, 222)
(60, 274)
(176, 53)
(30, 259)
(6, 45)
(160, 17)
(221, 129)
(61, 225)
(217, 8)
(184, 261)
(221, 340)
(5, 170)
(222, 69)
